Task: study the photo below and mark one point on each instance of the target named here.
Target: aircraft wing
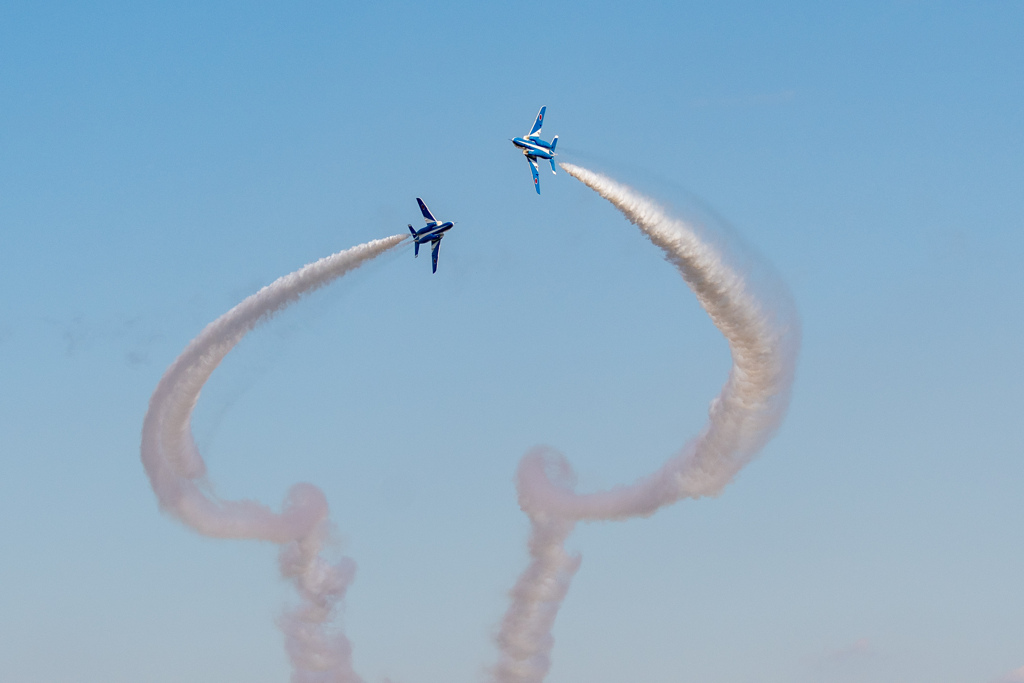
(429, 217)
(538, 123)
(536, 176)
(433, 254)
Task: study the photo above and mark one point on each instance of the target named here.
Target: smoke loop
(319, 654)
(741, 419)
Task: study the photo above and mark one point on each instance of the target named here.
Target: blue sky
(159, 163)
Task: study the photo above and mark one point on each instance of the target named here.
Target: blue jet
(432, 233)
(534, 148)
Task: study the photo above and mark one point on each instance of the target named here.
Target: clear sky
(159, 162)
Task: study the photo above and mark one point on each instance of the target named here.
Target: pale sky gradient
(160, 162)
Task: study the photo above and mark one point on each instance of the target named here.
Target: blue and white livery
(432, 233)
(534, 148)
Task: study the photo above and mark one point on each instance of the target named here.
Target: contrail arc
(763, 342)
(177, 474)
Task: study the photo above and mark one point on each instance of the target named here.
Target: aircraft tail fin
(552, 160)
(416, 245)
(554, 142)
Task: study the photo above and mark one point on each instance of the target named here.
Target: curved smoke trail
(177, 473)
(763, 342)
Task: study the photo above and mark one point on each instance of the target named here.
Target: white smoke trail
(177, 473)
(763, 341)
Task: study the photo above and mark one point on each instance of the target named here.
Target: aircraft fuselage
(534, 147)
(432, 232)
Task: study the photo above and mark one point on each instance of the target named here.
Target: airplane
(534, 148)
(432, 233)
